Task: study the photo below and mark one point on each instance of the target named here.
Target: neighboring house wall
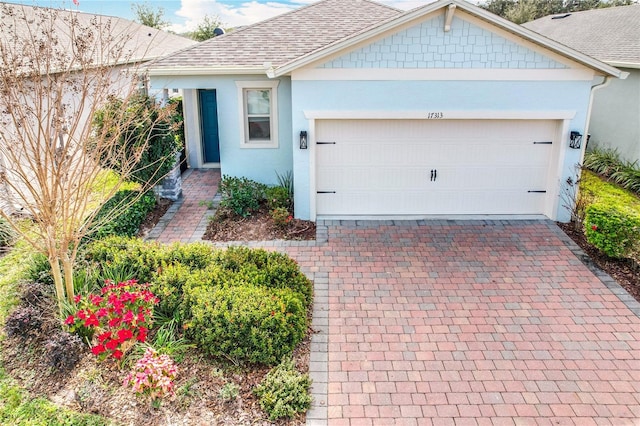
(260, 164)
(321, 88)
(615, 119)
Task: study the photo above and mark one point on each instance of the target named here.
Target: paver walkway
(457, 323)
(465, 323)
(186, 220)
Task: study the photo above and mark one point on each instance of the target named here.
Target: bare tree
(57, 68)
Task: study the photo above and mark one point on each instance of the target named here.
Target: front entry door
(209, 120)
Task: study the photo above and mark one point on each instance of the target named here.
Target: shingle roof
(610, 34)
(283, 38)
(142, 43)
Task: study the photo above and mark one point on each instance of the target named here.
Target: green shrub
(193, 255)
(128, 216)
(284, 392)
(613, 229)
(281, 217)
(141, 259)
(39, 269)
(278, 198)
(241, 195)
(7, 234)
(266, 269)
(145, 125)
(285, 180)
(246, 323)
(608, 163)
(168, 285)
(602, 161)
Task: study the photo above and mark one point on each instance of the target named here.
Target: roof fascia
(206, 71)
(469, 8)
(618, 64)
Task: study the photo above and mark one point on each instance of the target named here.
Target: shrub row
(244, 196)
(127, 222)
(240, 303)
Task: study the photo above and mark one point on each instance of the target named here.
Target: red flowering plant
(116, 319)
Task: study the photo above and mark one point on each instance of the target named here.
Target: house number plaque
(435, 115)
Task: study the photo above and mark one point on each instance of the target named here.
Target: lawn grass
(17, 406)
(607, 192)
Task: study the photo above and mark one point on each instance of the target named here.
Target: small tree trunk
(58, 281)
(67, 265)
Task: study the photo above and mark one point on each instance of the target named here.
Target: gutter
(605, 83)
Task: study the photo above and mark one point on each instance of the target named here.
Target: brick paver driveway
(467, 323)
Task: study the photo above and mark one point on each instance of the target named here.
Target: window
(258, 112)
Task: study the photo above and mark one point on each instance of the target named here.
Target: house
(446, 109)
(611, 35)
(61, 35)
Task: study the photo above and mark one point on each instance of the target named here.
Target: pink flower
(70, 320)
(82, 314)
(117, 354)
(102, 312)
(128, 317)
(114, 322)
(77, 298)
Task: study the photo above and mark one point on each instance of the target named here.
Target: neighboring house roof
(290, 41)
(143, 43)
(611, 35)
(283, 38)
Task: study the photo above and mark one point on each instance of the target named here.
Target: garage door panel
(383, 167)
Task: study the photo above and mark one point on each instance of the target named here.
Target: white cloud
(234, 13)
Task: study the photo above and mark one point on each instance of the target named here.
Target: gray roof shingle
(142, 43)
(283, 38)
(610, 34)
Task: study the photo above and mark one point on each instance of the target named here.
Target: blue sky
(186, 14)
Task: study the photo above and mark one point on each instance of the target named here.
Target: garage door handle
(326, 192)
(434, 175)
(537, 192)
(325, 143)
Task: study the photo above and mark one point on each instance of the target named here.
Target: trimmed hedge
(266, 269)
(126, 223)
(613, 229)
(246, 304)
(246, 323)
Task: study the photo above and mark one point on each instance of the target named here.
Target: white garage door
(422, 167)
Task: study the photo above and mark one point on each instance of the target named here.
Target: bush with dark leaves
(23, 322)
(63, 350)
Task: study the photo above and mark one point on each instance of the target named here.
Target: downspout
(605, 83)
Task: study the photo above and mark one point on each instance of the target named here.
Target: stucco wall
(259, 164)
(615, 119)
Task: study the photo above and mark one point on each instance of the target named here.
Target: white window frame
(271, 85)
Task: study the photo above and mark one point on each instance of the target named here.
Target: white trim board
(441, 74)
(445, 115)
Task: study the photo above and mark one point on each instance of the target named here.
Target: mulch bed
(257, 227)
(625, 271)
(154, 216)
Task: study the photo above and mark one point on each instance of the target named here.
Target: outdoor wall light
(575, 140)
(303, 139)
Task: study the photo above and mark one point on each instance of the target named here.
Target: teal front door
(209, 120)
